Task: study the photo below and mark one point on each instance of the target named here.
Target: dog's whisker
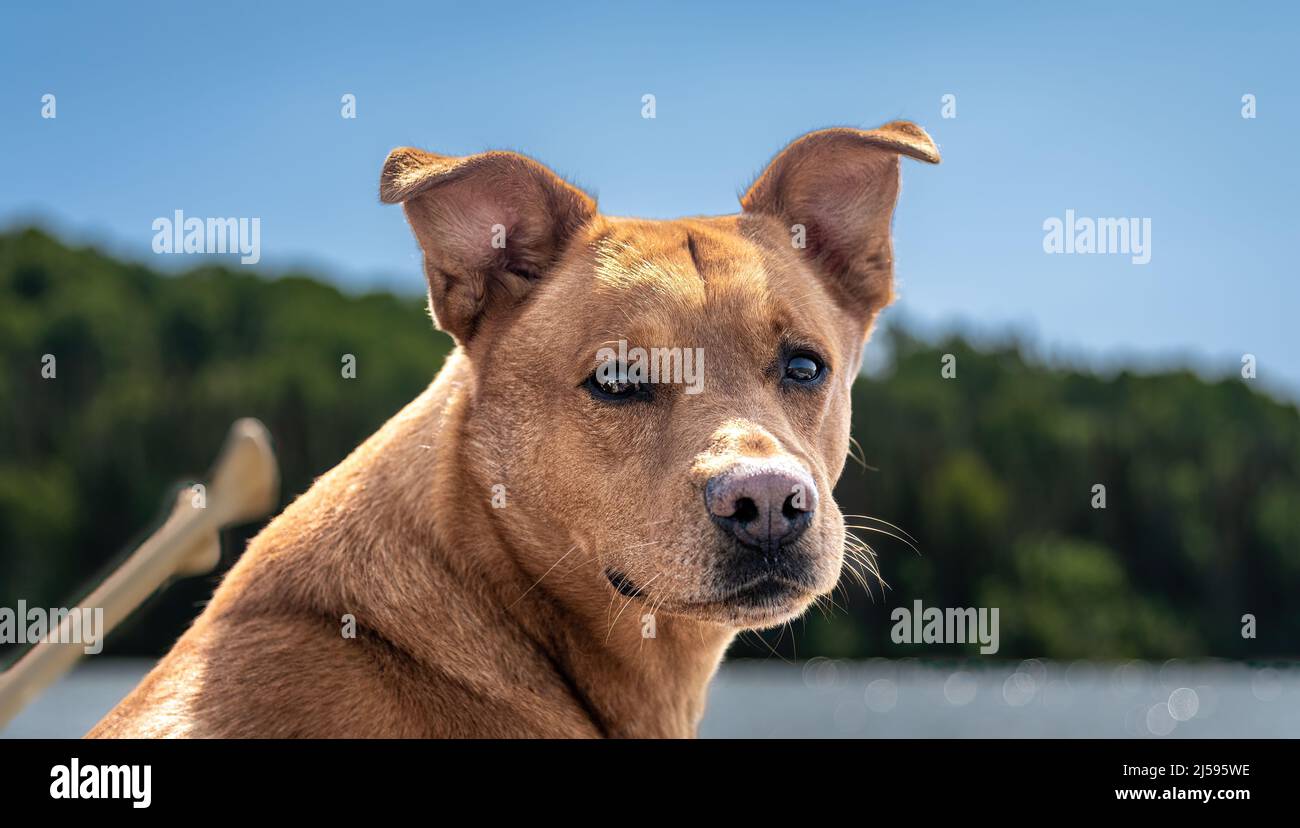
(857, 551)
(770, 649)
(639, 545)
(780, 636)
(893, 526)
(654, 613)
(830, 599)
(860, 554)
(625, 606)
(861, 456)
(861, 578)
(879, 532)
(856, 577)
(544, 574)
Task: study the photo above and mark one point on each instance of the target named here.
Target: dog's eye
(607, 386)
(803, 368)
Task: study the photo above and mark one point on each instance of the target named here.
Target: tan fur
(477, 621)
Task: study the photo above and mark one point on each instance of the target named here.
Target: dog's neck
(628, 683)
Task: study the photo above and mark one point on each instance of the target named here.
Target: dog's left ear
(834, 191)
(490, 226)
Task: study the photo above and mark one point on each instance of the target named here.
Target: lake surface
(889, 699)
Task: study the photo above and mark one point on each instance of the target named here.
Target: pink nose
(765, 504)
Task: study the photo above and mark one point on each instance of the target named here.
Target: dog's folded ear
(834, 191)
(490, 225)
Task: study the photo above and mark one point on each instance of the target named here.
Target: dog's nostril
(746, 510)
(790, 510)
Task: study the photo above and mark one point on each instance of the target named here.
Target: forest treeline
(991, 474)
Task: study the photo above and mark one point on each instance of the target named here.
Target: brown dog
(547, 542)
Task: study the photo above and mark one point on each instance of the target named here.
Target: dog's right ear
(490, 226)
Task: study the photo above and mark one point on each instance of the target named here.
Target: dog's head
(665, 401)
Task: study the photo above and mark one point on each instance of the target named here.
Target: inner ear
(835, 191)
(490, 227)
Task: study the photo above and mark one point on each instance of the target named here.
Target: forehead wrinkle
(733, 296)
(622, 264)
(647, 283)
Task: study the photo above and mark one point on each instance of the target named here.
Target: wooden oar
(244, 486)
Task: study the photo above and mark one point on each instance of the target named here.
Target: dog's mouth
(760, 601)
(764, 591)
(755, 599)
(757, 603)
(622, 584)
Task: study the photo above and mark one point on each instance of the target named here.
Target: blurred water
(73, 706)
(908, 698)
(883, 699)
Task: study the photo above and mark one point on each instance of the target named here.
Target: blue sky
(1108, 109)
